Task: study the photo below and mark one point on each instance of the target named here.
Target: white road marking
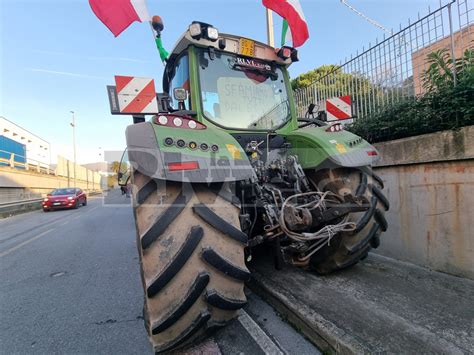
(24, 243)
(261, 338)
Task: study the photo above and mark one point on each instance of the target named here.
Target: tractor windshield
(242, 93)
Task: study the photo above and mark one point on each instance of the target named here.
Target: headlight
(46, 199)
(177, 121)
(70, 198)
(163, 120)
(212, 33)
(195, 30)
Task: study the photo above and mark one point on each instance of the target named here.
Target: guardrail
(19, 202)
(28, 164)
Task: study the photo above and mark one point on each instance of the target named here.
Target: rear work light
(187, 165)
(335, 128)
(176, 121)
(284, 52)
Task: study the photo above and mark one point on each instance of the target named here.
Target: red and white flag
(117, 15)
(292, 12)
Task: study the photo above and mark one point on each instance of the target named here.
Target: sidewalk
(380, 305)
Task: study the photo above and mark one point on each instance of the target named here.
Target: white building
(37, 149)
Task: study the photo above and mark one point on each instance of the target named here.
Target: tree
(115, 166)
(442, 68)
(306, 79)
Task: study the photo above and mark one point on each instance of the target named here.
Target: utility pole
(270, 35)
(73, 125)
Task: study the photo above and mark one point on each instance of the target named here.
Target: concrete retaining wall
(17, 184)
(429, 181)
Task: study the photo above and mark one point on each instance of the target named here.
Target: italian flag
(117, 15)
(294, 23)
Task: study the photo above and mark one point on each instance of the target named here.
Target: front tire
(191, 260)
(348, 248)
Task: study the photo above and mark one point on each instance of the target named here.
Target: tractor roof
(232, 45)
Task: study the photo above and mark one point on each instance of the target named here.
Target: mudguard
(315, 147)
(150, 153)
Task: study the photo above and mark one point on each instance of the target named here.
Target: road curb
(321, 332)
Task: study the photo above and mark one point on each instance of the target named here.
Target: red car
(70, 197)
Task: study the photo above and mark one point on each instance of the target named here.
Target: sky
(56, 56)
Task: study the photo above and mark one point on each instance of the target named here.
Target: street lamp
(73, 125)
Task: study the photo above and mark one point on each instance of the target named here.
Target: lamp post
(73, 125)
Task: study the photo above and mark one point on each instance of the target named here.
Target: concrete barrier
(17, 178)
(22, 190)
(429, 181)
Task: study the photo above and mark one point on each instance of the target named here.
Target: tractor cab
(232, 82)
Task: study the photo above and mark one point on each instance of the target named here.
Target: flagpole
(270, 34)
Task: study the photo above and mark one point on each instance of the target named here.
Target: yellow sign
(234, 151)
(246, 47)
(340, 148)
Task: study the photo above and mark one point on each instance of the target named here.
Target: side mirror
(123, 175)
(123, 179)
(180, 95)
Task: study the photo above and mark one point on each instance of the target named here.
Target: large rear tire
(191, 259)
(348, 248)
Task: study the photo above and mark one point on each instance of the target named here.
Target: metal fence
(392, 69)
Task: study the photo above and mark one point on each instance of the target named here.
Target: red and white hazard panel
(339, 108)
(136, 95)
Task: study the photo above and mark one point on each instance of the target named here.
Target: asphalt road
(70, 284)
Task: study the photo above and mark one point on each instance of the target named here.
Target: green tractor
(227, 168)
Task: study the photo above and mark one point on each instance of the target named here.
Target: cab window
(181, 80)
